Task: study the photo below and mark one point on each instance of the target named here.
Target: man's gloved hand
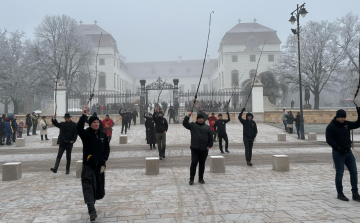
(242, 110)
(102, 169)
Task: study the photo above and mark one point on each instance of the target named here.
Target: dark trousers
(124, 124)
(68, 148)
(214, 134)
(198, 156)
(93, 184)
(8, 139)
(34, 129)
(134, 120)
(285, 125)
(109, 138)
(340, 160)
(129, 123)
(161, 141)
(298, 130)
(248, 148)
(14, 136)
(1, 139)
(173, 118)
(223, 135)
(28, 130)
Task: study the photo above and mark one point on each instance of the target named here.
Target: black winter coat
(135, 114)
(2, 127)
(338, 134)
(28, 121)
(67, 131)
(220, 125)
(297, 120)
(290, 119)
(124, 117)
(250, 128)
(150, 130)
(201, 135)
(171, 112)
(161, 124)
(96, 149)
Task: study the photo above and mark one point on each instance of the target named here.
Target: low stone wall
(311, 116)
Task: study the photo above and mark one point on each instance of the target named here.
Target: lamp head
(303, 12)
(292, 19)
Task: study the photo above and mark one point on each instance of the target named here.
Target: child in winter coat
(20, 128)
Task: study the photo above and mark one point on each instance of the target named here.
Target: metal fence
(102, 103)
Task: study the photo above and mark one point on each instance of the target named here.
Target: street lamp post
(300, 10)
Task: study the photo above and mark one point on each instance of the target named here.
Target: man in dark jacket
(249, 134)
(129, 117)
(161, 127)
(96, 151)
(123, 120)
(134, 115)
(150, 131)
(28, 124)
(220, 128)
(338, 137)
(66, 140)
(2, 129)
(171, 114)
(35, 121)
(201, 142)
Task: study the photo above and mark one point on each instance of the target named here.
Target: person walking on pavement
(201, 142)
(43, 128)
(28, 124)
(283, 117)
(66, 140)
(172, 114)
(96, 151)
(134, 115)
(14, 126)
(249, 134)
(2, 129)
(338, 137)
(35, 121)
(212, 120)
(150, 131)
(129, 117)
(123, 120)
(161, 127)
(220, 128)
(108, 125)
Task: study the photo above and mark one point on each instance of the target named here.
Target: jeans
(298, 130)
(34, 129)
(340, 160)
(285, 125)
(223, 135)
(161, 141)
(124, 124)
(28, 130)
(248, 148)
(198, 156)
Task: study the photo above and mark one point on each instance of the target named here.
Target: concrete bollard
(152, 165)
(54, 141)
(123, 139)
(20, 142)
(79, 165)
(281, 163)
(11, 171)
(281, 136)
(217, 164)
(312, 136)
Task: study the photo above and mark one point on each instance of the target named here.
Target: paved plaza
(243, 194)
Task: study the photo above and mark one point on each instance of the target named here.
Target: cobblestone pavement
(177, 135)
(258, 194)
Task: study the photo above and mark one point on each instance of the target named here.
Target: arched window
(102, 81)
(234, 77)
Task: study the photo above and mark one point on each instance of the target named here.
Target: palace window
(271, 58)
(252, 58)
(234, 77)
(234, 58)
(102, 81)
(102, 61)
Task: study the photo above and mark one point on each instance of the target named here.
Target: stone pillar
(258, 101)
(176, 98)
(60, 102)
(143, 105)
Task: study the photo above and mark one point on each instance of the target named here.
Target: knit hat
(341, 113)
(200, 116)
(92, 119)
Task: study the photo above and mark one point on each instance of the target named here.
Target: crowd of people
(289, 119)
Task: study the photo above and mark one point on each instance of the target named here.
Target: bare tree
(321, 58)
(60, 47)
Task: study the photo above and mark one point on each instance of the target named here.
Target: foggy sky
(160, 30)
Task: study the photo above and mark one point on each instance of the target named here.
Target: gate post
(176, 98)
(142, 101)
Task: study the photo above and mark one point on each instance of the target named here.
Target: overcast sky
(160, 30)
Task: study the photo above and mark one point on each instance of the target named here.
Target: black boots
(342, 197)
(42, 138)
(46, 138)
(57, 162)
(201, 181)
(68, 166)
(92, 211)
(226, 150)
(222, 151)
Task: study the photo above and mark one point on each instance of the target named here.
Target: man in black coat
(134, 115)
(129, 117)
(171, 114)
(66, 140)
(96, 151)
(338, 137)
(201, 142)
(2, 129)
(161, 127)
(150, 130)
(220, 128)
(123, 120)
(249, 134)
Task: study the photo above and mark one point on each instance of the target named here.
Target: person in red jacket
(212, 120)
(108, 123)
